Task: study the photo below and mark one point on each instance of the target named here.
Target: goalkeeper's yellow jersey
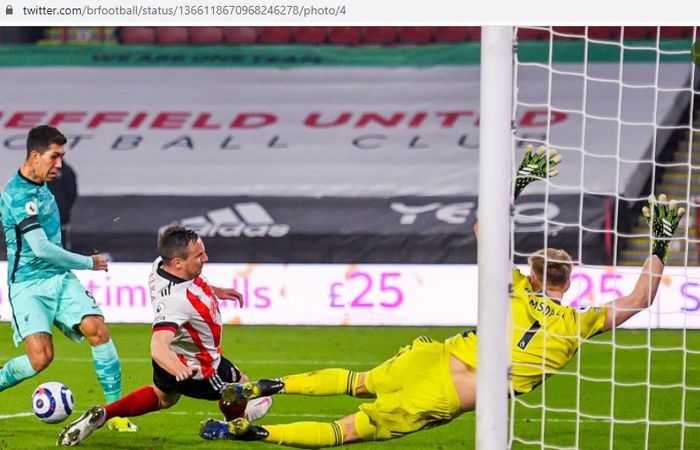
(545, 335)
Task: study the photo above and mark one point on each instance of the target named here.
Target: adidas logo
(248, 220)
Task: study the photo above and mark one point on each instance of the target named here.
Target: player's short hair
(41, 137)
(173, 242)
(558, 263)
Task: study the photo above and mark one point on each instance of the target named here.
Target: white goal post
(495, 155)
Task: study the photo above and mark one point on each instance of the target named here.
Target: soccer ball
(52, 402)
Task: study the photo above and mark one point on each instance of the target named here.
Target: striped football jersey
(190, 309)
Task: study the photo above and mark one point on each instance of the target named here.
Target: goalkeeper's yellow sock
(305, 434)
(322, 382)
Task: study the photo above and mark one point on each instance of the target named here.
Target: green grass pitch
(274, 351)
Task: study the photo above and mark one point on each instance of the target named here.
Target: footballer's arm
(164, 356)
(641, 297)
(228, 294)
(48, 251)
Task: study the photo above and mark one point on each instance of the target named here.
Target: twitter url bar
(188, 11)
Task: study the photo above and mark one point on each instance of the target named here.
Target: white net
(621, 106)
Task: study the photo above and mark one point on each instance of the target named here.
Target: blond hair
(558, 263)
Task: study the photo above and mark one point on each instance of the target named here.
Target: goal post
(495, 159)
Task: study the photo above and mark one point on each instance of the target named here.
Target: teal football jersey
(26, 206)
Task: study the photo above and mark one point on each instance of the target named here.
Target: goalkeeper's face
(196, 258)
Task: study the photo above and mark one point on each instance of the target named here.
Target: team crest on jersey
(31, 209)
(160, 311)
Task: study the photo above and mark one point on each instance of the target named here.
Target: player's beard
(197, 272)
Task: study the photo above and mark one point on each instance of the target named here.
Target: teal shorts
(59, 300)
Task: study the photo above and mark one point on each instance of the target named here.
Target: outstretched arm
(228, 294)
(621, 309)
(536, 165)
(663, 217)
(48, 251)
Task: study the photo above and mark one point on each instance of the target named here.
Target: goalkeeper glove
(663, 218)
(535, 166)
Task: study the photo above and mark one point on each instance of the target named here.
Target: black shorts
(209, 389)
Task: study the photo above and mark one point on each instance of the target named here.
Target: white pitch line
(326, 416)
(187, 413)
(196, 413)
(317, 362)
(12, 416)
(366, 365)
(296, 362)
(308, 415)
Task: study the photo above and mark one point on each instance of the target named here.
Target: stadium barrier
(373, 294)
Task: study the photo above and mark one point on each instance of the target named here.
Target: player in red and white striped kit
(186, 341)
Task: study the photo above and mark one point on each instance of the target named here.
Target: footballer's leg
(464, 379)
(77, 431)
(252, 410)
(142, 401)
(31, 325)
(39, 350)
(257, 408)
(107, 367)
(15, 371)
(317, 383)
(298, 434)
(39, 355)
(104, 356)
(78, 316)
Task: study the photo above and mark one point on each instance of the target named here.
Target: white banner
(325, 131)
(337, 294)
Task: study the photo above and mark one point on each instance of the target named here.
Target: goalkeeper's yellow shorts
(414, 391)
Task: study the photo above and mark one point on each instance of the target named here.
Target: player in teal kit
(42, 289)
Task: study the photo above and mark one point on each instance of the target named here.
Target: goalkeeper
(430, 383)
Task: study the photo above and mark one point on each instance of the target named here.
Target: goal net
(620, 104)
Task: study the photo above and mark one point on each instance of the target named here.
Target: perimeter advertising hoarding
(340, 294)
